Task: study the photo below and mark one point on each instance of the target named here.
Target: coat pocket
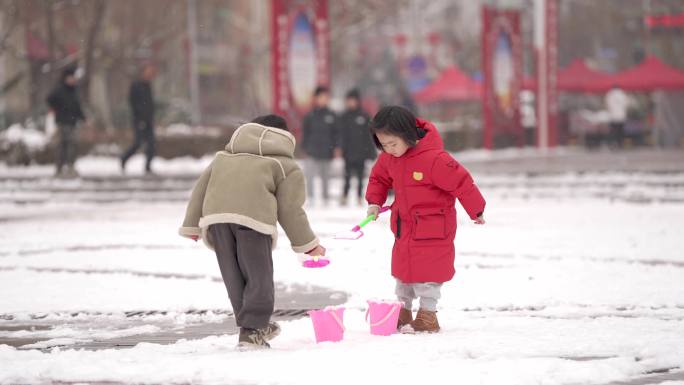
(429, 223)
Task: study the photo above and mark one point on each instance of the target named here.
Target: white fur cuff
(190, 232)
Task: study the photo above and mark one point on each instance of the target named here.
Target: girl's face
(392, 144)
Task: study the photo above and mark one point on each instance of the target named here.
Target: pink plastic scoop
(316, 262)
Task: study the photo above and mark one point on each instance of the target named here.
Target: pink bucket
(383, 317)
(328, 324)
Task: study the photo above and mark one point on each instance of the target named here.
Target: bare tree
(94, 28)
(50, 23)
(8, 10)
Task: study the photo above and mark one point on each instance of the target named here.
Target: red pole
(487, 97)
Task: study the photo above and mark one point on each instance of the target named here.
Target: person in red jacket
(426, 181)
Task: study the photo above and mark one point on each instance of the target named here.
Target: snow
(565, 284)
(30, 137)
(472, 350)
(105, 166)
(180, 129)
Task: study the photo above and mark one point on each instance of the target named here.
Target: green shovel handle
(369, 219)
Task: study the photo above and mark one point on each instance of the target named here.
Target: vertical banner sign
(300, 51)
(546, 45)
(502, 67)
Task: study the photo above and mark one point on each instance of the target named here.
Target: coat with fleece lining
(255, 183)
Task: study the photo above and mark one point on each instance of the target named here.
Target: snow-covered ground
(571, 281)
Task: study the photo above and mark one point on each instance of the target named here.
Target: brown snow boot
(405, 318)
(426, 321)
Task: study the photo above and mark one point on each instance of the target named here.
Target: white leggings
(428, 292)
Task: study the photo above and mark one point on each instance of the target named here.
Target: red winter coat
(426, 181)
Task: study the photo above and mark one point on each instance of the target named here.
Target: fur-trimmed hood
(253, 138)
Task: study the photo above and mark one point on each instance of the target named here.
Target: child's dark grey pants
(244, 257)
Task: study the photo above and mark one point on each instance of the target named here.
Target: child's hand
(480, 220)
(318, 251)
(374, 211)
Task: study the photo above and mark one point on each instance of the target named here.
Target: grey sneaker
(271, 331)
(71, 173)
(252, 339)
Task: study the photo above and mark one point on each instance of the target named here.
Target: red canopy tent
(649, 75)
(577, 77)
(452, 85)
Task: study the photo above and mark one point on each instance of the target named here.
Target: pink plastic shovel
(356, 232)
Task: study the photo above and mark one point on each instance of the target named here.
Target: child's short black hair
(271, 120)
(395, 120)
(321, 90)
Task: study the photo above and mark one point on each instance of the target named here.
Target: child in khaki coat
(235, 205)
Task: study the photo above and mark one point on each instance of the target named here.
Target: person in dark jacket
(141, 100)
(319, 141)
(357, 143)
(64, 103)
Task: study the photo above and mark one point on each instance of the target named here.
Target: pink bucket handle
(337, 319)
(384, 319)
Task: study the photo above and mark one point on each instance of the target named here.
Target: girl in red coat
(426, 181)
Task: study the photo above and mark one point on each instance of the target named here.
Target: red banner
(502, 68)
(300, 51)
(675, 20)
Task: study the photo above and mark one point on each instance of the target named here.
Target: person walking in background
(356, 142)
(617, 103)
(63, 101)
(141, 100)
(319, 141)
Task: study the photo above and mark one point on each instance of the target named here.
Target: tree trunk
(91, 40)
(50, 21)
(32, 70)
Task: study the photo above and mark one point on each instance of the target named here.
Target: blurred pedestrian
(356, 142)
(319, 141)
(141, 100)
(617, 103)
(64, 103)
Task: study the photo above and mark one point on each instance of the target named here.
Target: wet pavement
(292, 302)
(654, 378)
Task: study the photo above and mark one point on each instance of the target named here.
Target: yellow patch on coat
(417, 175)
